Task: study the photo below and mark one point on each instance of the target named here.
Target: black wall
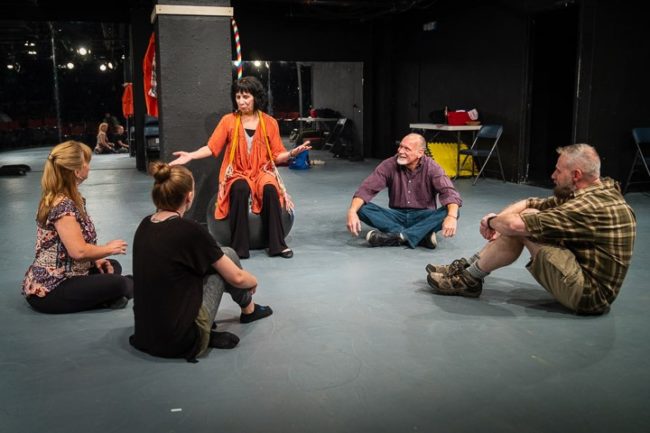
(480, 56)
(614, 85)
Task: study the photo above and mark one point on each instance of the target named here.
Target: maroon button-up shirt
(408, 189)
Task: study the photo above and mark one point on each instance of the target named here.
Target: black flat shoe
(287, 254)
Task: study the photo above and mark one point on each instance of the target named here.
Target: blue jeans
(413, 224)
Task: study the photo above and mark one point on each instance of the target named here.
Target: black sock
(223, 340)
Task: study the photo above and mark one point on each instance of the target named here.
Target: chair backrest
(641, 135)
(336, 131)
(490, 131)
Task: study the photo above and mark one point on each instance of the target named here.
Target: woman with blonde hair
(180, 274)
(70, 272)
(103, 145)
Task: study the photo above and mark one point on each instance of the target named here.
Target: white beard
(401, 161)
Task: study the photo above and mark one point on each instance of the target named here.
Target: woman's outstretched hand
(182, 158)
(302, 148)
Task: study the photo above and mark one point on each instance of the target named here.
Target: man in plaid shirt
(580, 240)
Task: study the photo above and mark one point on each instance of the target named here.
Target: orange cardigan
(255, 167)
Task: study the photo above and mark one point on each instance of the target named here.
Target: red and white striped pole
(238, 62)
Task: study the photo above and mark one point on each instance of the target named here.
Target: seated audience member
(180, 275)
(414, 181)
(70, 272)
(103, 145)
(119, 140)
(580, 240)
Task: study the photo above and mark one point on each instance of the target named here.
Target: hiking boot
(430, 241)
(378, 238)
(460, 284)
(455, 267)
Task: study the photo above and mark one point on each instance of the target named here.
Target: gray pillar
(194, 73)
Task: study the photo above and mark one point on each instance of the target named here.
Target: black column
(141, 29)
(194, 73)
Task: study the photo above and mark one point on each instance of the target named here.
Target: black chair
(642, 140)
(334, 137)
(485, 144)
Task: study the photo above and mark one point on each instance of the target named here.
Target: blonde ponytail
(59, 178)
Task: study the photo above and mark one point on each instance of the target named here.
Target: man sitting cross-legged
(414, 181)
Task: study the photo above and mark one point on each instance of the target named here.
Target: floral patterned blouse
(53, 264)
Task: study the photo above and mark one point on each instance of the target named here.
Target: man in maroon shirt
(414, 182)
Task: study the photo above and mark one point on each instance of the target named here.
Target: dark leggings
(85, 292)
(271, 219)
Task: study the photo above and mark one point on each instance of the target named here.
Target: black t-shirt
(170, 261)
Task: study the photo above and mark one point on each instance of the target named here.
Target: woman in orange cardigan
(252, 144)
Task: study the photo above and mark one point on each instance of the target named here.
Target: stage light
(102, 67)
(83, 51)
(69, 65)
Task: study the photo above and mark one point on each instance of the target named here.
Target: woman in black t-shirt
(180, 274)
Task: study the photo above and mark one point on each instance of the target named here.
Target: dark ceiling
(118, 10)
(24, 20)
(36, 20)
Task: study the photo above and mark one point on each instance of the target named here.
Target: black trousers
(85, 292)
(271, 219)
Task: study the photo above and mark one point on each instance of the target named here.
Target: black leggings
(85, 292)
(271, 219)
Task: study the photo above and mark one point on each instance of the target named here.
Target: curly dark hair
(253, 86)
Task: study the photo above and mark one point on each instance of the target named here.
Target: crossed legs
(413, 224)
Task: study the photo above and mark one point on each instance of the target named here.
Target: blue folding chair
(485, 144)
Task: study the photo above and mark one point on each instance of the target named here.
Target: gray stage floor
(357, 343)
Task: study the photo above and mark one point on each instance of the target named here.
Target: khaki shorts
(205, 325)
(557, 270)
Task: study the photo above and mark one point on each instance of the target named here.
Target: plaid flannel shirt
(598, 227)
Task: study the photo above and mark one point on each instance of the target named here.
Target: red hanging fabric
(127, 100)
(150, 83)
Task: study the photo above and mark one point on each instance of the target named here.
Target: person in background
(253, 147)
(414, 183)
(70, 272)
(103, 145)
(180, 275)
(111, 120)
(580, 240)
(119, 140)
